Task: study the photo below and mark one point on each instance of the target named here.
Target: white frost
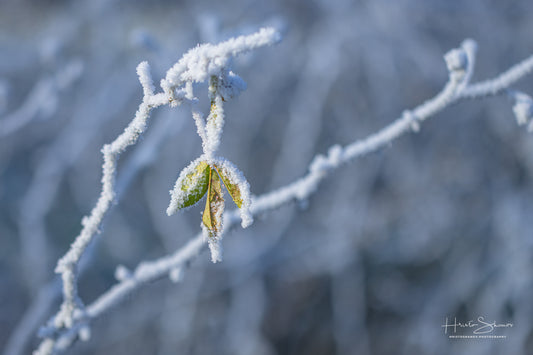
(213, 242)
(522, 108)
(148, 271)
(214, 126)
(231, 85)
(236, 177)
(199, 63)
(178, 195)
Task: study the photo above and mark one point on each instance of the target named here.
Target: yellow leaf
(214, 206)
(195, 184)
(233, 189)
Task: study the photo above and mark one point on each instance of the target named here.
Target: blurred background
(437, 225)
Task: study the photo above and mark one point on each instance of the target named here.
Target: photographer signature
(480, 327)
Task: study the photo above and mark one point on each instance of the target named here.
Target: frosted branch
(500, 83)
(207, 60)
(460, 63)
(72, 316)
(66, 266)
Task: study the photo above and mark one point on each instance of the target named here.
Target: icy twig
(500, 83)
(66, 266)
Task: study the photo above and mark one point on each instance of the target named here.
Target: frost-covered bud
(456, 59)
(85, 333)
(335, 155)
(457, 62)
(322, 164)
(522, 108)
(412, 119)
(122, 273)
(176, 275)
(319, 164)
(470, 47)
(230, 86)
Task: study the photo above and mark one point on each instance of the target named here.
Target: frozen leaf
(195, 184)
(233, 188)
(190, 187)
(238, 188)
(214, 206)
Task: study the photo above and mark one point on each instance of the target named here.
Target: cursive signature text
(481, 326)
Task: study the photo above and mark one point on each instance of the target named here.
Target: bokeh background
(437, 225)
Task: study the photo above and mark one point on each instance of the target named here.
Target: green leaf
(214, 205)
(195, 184)
(233, 189)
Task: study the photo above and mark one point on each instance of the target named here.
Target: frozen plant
(207, 174)
(205, 62)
